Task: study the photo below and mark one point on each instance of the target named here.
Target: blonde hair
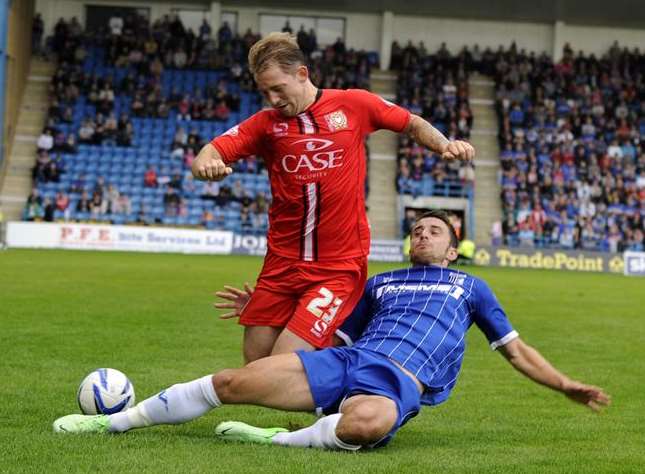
(276, 48)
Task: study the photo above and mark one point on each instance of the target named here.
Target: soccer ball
(105, 391)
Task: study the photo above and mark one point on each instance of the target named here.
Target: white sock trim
(134, 417)
(208, 390)
(346, 446)
(322, 434)
(336, 440)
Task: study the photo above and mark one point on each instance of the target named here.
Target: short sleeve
(354, 326)
(490, 317)
(242, 140)
(378, 113)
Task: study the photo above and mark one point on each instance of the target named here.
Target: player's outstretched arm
(531, 363)
(422, 132)
(209, 165)
(237, 300)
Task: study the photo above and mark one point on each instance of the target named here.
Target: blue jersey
(418, 317)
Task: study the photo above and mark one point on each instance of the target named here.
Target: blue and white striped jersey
(419, 316)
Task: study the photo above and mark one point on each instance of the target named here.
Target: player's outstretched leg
(177, 404)
(238, 431)
(82, 424)
(321, 434)
(364, 421)
(260, 383)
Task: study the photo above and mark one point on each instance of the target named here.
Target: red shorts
(311, 299)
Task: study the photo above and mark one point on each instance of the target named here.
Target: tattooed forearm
(426, 135)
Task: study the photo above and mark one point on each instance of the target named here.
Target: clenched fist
(209, 165)
(458, 150)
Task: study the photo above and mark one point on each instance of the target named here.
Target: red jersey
(316, 164)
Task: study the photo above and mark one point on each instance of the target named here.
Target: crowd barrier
(167, 239)
(155, 239)
(630, 263)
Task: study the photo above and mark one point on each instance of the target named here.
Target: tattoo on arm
(426, 135)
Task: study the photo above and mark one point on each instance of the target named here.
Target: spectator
(84, 204)
(171, 200)
(45, 141)
(181, 137)
(207, 219)
(408, 221)
(100, 187)
(569, 152)
(467, 174)
(86, 132)
(222, 111)
(496, 233)
(204, 30)
(52, 173)
(33, 211)
(210, 191)
(150, 178)
(224, 34)
(122, 205)
(443, 100)
(106, 99)
(37, 29)
(116, 25)
(125, 131)
(110, 130)
(96, 205)
(62, 204)
(180, 58)
(39, 173)
(78, 185)
(184, 108)
(176, 182)
(246, 221)
(111, 200)
(48, 210)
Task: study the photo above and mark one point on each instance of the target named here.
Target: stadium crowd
(434, 86)
(573, 160)
(158, 79)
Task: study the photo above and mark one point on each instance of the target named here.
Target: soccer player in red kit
(312, 142)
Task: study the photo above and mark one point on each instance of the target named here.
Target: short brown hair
(276, 48)
(442, 216)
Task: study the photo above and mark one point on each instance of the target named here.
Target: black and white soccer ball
(105, 391)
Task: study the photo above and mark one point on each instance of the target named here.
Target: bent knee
(227, 384)
(367, 423)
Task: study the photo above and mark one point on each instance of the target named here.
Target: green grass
(63, 314)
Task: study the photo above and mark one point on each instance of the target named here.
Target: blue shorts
(337, 373)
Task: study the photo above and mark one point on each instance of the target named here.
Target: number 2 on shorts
(325, 306)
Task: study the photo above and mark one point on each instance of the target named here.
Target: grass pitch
(64, 313)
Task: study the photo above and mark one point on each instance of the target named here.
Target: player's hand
(211, 169)
(237, 300)
(458, 150)
(588, 395)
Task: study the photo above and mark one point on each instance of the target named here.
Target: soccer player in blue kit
(405, 345)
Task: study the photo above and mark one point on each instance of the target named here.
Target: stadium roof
(623, 13)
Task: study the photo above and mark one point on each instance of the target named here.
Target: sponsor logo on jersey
(457, 278)
(318, 155)
(280, 129)
(336, 120)
(450, 289)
